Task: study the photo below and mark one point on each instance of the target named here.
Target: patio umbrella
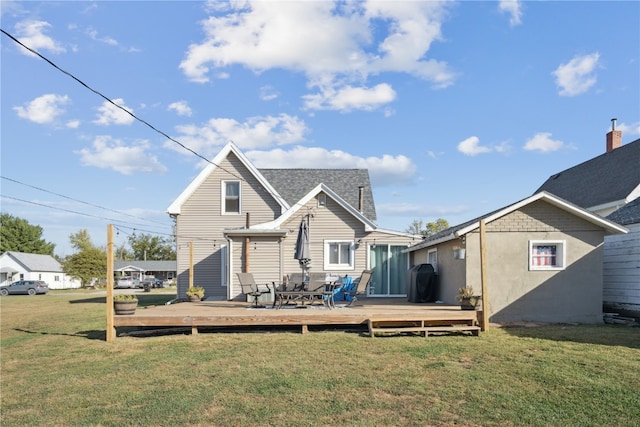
(302, 253)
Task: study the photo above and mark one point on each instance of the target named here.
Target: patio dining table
(303, 294)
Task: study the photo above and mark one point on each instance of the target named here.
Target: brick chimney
(614, 138)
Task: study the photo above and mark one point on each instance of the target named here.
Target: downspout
(247, 241)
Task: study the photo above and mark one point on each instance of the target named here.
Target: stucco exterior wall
(516, 293)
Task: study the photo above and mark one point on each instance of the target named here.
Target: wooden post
(111, 329)
(191, 264)
(483, 276)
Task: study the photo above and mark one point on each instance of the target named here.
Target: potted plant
(466, 298)
(195, 293)
(125, 303)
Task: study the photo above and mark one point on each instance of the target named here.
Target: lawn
(57, 369)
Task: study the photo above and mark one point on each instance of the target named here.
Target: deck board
(233, 313)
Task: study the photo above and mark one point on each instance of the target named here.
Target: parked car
(25, 287)
(152, 283)
(127, 282)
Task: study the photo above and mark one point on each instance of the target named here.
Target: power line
(114, 104)
(79, 201)
(66, 210)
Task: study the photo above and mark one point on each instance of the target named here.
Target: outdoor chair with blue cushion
(250, 288)
(359, 288)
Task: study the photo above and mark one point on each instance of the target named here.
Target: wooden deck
(378, 315)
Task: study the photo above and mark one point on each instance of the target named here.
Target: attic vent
(556, 176)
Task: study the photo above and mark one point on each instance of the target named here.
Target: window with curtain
(231, 201)
(546, 255)
(338, 255)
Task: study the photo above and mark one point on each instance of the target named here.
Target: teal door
(390, 267)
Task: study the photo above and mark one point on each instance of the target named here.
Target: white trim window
(230, 197)
(322, 200)
(547, 254)
(432, 258)
(339, 255)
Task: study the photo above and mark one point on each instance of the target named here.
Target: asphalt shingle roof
(294, 184)
(36, 262)
(603, 179)
(629, 214)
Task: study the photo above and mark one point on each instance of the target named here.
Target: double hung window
(231, 197)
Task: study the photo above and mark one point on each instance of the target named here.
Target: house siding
(622, 271)
(331, 222)
(202, 224)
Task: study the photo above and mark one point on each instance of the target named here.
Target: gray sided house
(543, 261)
(16, 266)
(609, 185)
(234, 217)
(164, 270)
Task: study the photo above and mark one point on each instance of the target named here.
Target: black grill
(422, 283)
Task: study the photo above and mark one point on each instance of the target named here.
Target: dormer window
(231, 197)
(322, 200)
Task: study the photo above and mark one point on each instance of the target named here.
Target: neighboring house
(164, 270)
(622, 263)
(543, 261)
(609, 185)
(16, 266)
(234, 217)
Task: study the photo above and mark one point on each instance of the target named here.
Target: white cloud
(542, 142)
(106, 40)
(628, 129)
(109, 114)
(32, 34)
(385, 170)
(43, 109)
(255, 132)
(349, 98)
(73, 124)
(268, 93)
(329, 42)
(419, 211)
(471, 147)
(180, 107)
(577, 76)
(514, 9)
(110, 153)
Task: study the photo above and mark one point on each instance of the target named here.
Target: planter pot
(194, 298)
(469, 303)
(125, 307)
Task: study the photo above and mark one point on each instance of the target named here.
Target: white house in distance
(16, 266)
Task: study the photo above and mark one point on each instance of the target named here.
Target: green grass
(57, 369)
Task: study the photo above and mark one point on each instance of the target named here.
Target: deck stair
(425, 327)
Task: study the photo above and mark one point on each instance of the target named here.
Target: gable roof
(176, 206)
(610, 177)
(628, 214)
(289, 186)
(274, 225)
(294, 184)
(35, 262)
(469, 226)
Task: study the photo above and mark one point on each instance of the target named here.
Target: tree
(431, 228)
(16, 234)
(148, 247)
(89, 263)
(436, 227)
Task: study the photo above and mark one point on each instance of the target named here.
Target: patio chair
(359, 288)
(249, 288)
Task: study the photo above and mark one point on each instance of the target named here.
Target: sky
(455, 108)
